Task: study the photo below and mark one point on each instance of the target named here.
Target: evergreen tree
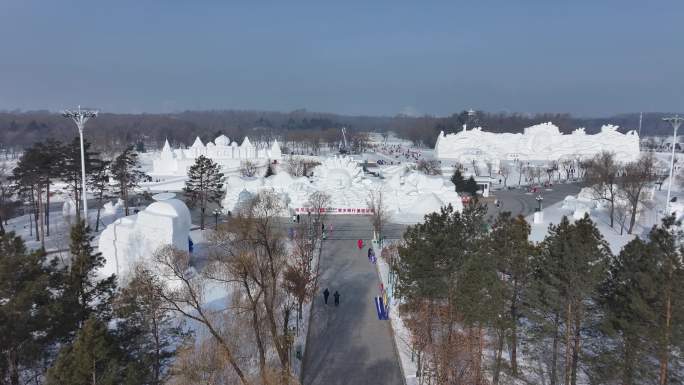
(513, 254)
(99, 182)
(125, 169)
(93, 358)
(71, 172)
(470, 187)
(24, 306)
(32, 176)
(626, 296)
(669, 304)
(148, 334)
(446, 274)
(269, 170)
(572, 263)
(458, 180)
(204, 185)
(84, 294)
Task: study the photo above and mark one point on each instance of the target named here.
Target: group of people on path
(336, 296)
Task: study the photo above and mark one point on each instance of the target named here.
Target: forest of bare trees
(116, 131)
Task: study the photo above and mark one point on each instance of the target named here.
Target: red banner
(336, 210)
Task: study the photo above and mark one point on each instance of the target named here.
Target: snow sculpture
(69, 207)
(542, 142)
(408, 196)
(131, 240)
(222, 151)
(110, 208)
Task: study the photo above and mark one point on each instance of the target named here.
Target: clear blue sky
(587, 57)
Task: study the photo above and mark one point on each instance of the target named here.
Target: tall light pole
(675, 121)
(80, 117)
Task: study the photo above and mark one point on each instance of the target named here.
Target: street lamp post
(675, 121)
(80, 117)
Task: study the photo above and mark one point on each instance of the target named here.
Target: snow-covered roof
(246, 143)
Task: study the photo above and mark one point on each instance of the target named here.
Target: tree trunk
(576, 349)
(202, 218)
(554, 354)
(13, 366)
(665, 349)
(41, 216)
(632, 217)
(497, 361)
(47, 207)
(514, 330)
(568, 344)
(628, 366)
(612, 210)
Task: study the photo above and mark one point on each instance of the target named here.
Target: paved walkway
(348, 344)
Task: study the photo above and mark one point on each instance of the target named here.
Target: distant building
(222, 151)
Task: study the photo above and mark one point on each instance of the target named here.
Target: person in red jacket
(360, 243)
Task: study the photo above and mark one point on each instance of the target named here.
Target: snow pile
(133, 239)
(543, 142)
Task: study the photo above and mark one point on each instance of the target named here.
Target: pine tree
(99, 182)
(513, 253)
(148, 334)
(572, 263)
(93, 358)
(669, 306)
(32, 176)
(126, 170)
(71, 172)
(204, 185)
(269, 170)
(470, 187)
(626, 296)
(85, 295)
(457, 180)
(24, 306)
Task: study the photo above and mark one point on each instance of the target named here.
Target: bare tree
(252, 253)
(505, 172)
(567, 166)
(379, 212)
(429, 167)
(522, 168)
(300, 166)
(635, 179)
(187, 298)
(248, 168)
(622, 214)
(602, 174)
(490, 167)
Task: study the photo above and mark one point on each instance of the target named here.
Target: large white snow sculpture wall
(543, 142)
(134, 239)
(408, 195)
(177, 161)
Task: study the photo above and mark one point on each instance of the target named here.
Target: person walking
(360, 243)
(326, 294)
(297, 218)
(337, 298)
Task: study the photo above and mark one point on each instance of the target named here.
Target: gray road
(519, 201)
(348, 344)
